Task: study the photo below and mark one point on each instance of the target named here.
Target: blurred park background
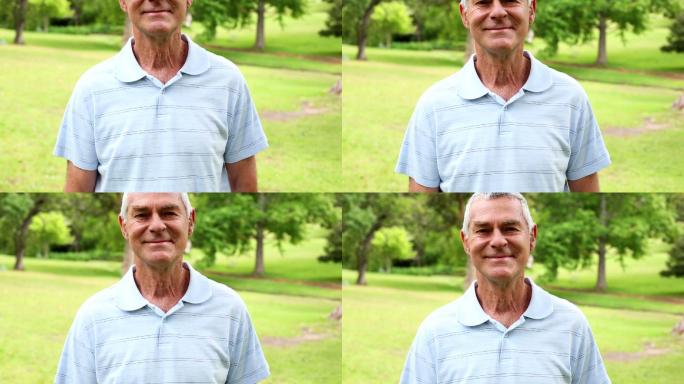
(403, 259)
(292, 69)
(632, 83)
(280, 252)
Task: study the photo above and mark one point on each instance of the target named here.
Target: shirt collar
(129, 298)
(129, 70)
(472, 87)
(472, 314)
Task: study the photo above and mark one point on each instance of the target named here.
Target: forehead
(496, 210)
(153, 200)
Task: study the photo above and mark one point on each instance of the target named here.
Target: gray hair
(464, 3)
(124, 204)
(497, 195)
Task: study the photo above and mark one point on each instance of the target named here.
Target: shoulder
(97, 77)
(226, 298)
(443, 319)
(567, 85)
(223, 68)
(443, 91)
(568, 313)
(96, 307)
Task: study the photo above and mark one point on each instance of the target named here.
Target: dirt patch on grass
(307, 335)
(650, 350)
(649, 125)
(306, 109)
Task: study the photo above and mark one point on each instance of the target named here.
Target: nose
(498, 239)
(156, 223)
(497, 11)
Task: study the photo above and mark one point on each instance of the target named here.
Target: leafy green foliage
(46, 229)
(389, 245)
(675, 265)
(388, 19)
(571, 227)
(574, 21)
(333, 25)
(675, 42)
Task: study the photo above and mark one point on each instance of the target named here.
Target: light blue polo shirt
(144, 136)
(459, 343)
(119, 337)
(464, 138)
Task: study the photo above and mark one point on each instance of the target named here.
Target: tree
(40, 12)
(593, 222)
(49, 228)
(388, 19)
(575, 21)
(17, 211)
(390, 244)
(19, 20)
(232, 223)
(333, 25)
(675, 43)
(213, 13)
(356, 18)
(363, 215)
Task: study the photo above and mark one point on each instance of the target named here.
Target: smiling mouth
(159, 11)
(157, 241)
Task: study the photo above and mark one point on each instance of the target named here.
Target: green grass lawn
(631, 98)
(381, 319)
(38, 305)
(289, 83)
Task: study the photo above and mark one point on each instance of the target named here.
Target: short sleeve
(77, 363)
(588, 366)
(421, 362)
(247, 362)
(588, 151)
(76, 141)
(418, 155)
(245, 135)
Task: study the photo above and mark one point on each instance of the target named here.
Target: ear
(188, 3)
(464, 241)
(464, 16)
(533, 238)
(122, 226)
(122, 5)
(533, 11)
(191, 227)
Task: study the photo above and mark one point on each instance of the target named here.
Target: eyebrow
(487, 224)
(142, 208)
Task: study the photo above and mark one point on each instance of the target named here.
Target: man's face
(498, 26)
(156, 18)
(499, 242)
(157, 227)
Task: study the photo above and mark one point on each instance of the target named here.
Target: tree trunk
(19, 23)
(127, 31)
(601, 278)
(364, 249)
(602, 58)
(362, 30)
(128, 258)
(21, 234)
(260, 39)
(259, 260)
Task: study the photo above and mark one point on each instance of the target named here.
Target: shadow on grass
(455, 62)
(265, 285)
(75, 269)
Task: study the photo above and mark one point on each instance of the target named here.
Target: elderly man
(504, 329)
(505, 122)
(163, 322)
(162, 115)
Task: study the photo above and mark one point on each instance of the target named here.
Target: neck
(163, 287)
(505, 74)
(503, 302)
(160, 55)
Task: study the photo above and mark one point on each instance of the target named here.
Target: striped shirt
(144, 136)
(550, 343)
(463, 137)
(119, 337)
